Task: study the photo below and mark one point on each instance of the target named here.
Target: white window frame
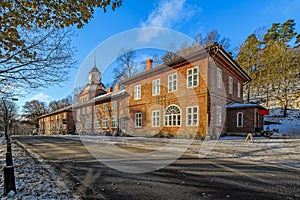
(156, 87)
(219, 78)
(138, 122)
(114, 122)
(172, 116)
(194, 75)
(83, 111)
(193, 116)
(219, 116)
(105, 107)
(88, 123)
(137, 92)
(97, 108)
(123, 124)
(172, 82)
(239, 90)
(97, 122)
(104, 122)
(241, 124)
(114, 105)
(230, 85)
(155, 118)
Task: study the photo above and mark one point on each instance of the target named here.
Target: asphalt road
(188, 177)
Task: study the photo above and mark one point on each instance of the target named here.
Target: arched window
(239, 119)
(172, 116)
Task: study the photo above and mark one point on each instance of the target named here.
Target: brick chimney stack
(149, 64)
(116, 87)
(109, 90)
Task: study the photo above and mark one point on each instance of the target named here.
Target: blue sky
(235, 19)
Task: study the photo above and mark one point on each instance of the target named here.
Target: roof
(94, 69)
(244, 105)
(68, 108)
(168, 65)
(100, 98)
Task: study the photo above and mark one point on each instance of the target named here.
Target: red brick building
(185, 97)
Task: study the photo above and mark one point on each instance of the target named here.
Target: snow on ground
(283, 152)
(34, 180)
(289, 126)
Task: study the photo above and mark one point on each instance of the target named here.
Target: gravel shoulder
(34, 178)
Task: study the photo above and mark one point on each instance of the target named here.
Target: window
(239, 90)
(88, 110)
(83, 111)
(97, 108)
(156, 87)
(114, 123)
(230, 85)
(97, 123)
(114, 105)
(219, 116)
(192, 77)
(219, 78)
(155, 118)
(123, 124)
(172, 82)
(105, 108)
(104, 122)
(172, 116)
(239, 120)
(88, 123)
(138, 120)
(192, 116)
(137, 92)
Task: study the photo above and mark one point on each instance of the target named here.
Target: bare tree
(35, 47)
(43, 60)
(33, 109)
(12, 111)
(126, 67)
(62, 103)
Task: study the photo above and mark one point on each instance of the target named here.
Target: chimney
(109, 90)
(149, 64)
(116, 87)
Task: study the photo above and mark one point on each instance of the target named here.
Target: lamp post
(9, 175)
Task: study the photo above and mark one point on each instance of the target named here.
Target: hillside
(288, 126)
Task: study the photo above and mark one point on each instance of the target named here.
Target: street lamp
(9, 175)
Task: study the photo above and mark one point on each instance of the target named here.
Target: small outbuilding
(243, 118)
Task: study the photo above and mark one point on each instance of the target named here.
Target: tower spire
(94, 60)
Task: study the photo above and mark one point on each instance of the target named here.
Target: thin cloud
(41, 97)
(167, 14)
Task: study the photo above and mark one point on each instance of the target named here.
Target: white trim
(218, 116)
(169, 91)
(230, 85)
(135, 118)
(219, 78)
(155, 111)
(242, 120)
(106, 120)
(164, 116)
(105, 107)
(114, 119)
(137, 92)
(192, 114)
(239, 90)
(187, 75)
(154, 91)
